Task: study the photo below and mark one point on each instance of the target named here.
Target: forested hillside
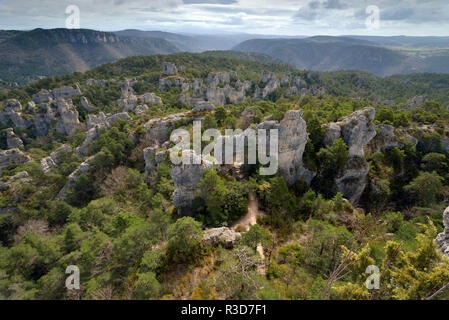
(87, 181)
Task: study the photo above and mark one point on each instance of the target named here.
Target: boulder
(221, 236)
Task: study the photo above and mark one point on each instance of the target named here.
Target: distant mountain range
(383, 56)
(29, 55)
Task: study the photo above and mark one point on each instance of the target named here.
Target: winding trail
(249, 219)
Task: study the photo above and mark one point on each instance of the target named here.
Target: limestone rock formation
(385, 138)
(12, 157)
(150, 99)
(292, 142)
(83, 168)
(13, 112)
(54, 160)
(221, 236)
(357, 130)
(12, 140)
(442, 239)
(158, 130)
(153, 156)
(169, 69)
(186, 178)
(59, 93)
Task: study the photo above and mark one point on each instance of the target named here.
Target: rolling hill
(349, 53)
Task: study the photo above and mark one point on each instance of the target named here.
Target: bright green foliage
(425, 188)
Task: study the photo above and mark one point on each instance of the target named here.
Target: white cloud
(289, 17)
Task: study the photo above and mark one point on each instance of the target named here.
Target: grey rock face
(442, 239)
(158, 129)
(215, 79)
(13, 157)
(68, 120)
(291, 92)
(84, 168)
(141, 109)
(221, 236)
(186, 178)
(150, 99)
(292, 142)
(267, 76)
(357, 130)
(332, 133)
(149, 154)
(385, 138)
(353, 181)
(54, 160)
(13, 112)
(169, 69)
(12, 140)
(85, 104)
(59, 93)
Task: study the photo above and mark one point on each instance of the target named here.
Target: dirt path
(250, 218)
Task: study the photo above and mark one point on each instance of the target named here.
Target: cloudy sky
(275, 17)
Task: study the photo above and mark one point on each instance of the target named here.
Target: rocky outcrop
(215, 79)
(19, 178)
(150, 99)
(13, 157)
(357, 130)
(169, 69)
(442, 239)
(186, 178)
(59, 115)
(68, 117)
(385, 138)
(159, 129)
(83, 168)
(292, 142)
(59, 93)
(12, 140)
(13, 112)
(86, 105)
(55, 158)
(153, 156)
(221, 236)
